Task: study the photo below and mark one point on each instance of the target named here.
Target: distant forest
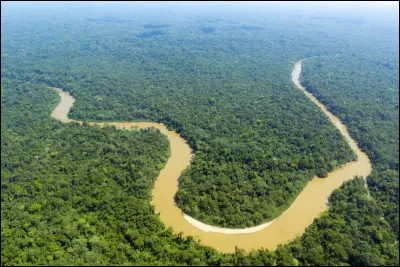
(80, 195)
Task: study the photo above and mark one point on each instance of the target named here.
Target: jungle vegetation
(74, 195)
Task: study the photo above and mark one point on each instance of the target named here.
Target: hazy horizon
(356, 7)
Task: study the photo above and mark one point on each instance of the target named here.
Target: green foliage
(257, 139)
(352, 232)
(372, 88)
(80, 195)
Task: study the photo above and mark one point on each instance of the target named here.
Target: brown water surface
(308, 205)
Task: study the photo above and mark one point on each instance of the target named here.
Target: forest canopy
(74, 195)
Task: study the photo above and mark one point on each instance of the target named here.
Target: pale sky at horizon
(371, 7)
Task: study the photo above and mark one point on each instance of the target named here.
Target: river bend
(291, 223)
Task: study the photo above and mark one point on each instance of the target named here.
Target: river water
(307, 206)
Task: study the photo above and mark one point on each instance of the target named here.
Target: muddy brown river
(307, 206)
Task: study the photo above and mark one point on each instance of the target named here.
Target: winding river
(307, 206)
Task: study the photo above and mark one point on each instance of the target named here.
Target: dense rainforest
(361, 87)
(77, 195)
(257, 140)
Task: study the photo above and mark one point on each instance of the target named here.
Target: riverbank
(307, 206)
